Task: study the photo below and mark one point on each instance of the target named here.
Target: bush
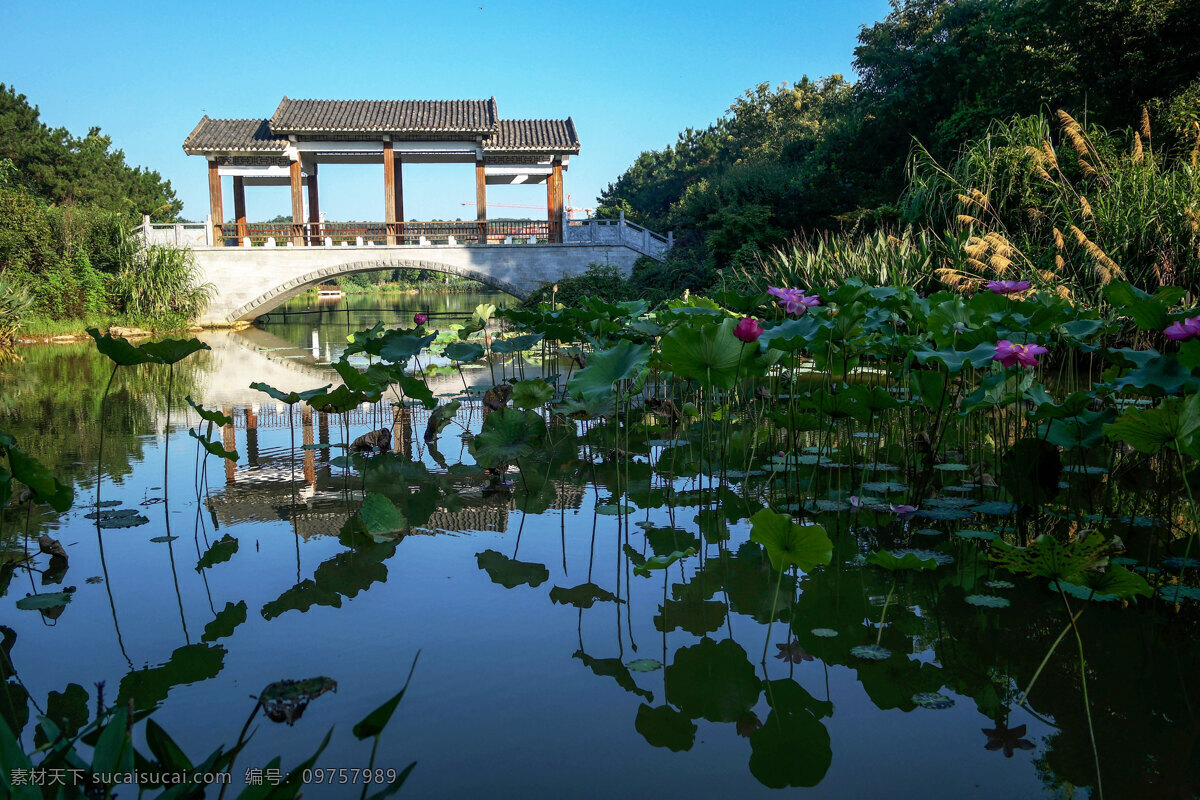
(161, 283)
(600, 282)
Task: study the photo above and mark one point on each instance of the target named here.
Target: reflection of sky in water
(503, 701)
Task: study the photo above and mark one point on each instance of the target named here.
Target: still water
(655, 689)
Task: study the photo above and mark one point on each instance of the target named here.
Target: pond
(590, 615)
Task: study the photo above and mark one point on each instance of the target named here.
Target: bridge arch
(277, 295)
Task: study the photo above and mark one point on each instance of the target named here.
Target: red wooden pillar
(297, 204)
(389, 191)
(398, 177)
(239, 207)
(554, 201)
(215, 205)
(314, 206)
(481, 201)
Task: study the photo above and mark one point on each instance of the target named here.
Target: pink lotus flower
(1182, 331)
(1008, 287)
(748, 330)
(903, 512)
(1010, 354)
(794, 301)
(419, 319)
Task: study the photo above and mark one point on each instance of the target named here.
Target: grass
(41, 327)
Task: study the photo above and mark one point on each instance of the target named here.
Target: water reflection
(548, 662)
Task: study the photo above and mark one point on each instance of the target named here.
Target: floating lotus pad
(644, 665)
(1084, 469)
(106, 504)
(948, 502)
(986, 536)
(948, 467)
(885, 487)
(112, 514)
(987, 600)
(943, 514)
(871, 652)
(995, 508)
(613, 510)
(876, 467)
(1179, 562)
(929, 532)
(932, 700)
(123, 522)
(1179, 594)
(43, 602)
(824, 633)
(163, 539)
(999, 584)
(942, 559)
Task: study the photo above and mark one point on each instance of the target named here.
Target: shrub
(161, 283)
(600, 281)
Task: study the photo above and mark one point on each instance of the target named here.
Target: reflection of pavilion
(315, 500)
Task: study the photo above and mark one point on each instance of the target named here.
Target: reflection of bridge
(266, 265)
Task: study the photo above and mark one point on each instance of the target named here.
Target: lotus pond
(856, 543)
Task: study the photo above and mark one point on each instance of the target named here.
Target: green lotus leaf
(39, 479)
(1116, 583)
(709, 353)
(378, 516)
(464, 351)
(216, 448)
(172, 351)
(1049, 558)
(291, 398)
(789, 544)
(507, 435)
(1173, 424)
(644, 665)
(130, 521)
(357, 381)
(400, 345)
(910, 561)
(623, 361)
(120, 351)
(954, 360)
(341, 400)
(41, 602)
(516, 344)
(531, 394)
(987, 601)
(215, 417)
(417, 390)
(509, 572)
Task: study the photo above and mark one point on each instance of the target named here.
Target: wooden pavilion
(287, 149)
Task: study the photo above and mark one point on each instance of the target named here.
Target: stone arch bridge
(250, 281)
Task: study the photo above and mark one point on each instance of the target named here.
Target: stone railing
(619, 231)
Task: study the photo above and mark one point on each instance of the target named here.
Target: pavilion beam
(389, 191)
(215, 205)
(239, 208)
(297, 204)
(314, 206)
(481, 201)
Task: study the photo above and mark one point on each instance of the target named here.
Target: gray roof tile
(233, 135)
(383, 116)
(543, 135)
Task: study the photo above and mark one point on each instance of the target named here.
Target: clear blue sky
(633, 75)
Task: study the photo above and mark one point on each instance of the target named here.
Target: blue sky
(633, 75)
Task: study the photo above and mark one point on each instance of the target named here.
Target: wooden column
(216, 207)
(314, 206)
(554, 201)
(481, 201)
(398, 166)
(297, 204)
(389, 192)
(239, 207)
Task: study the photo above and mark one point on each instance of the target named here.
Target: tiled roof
(383, 116)
(545, 135)
(235, 135)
